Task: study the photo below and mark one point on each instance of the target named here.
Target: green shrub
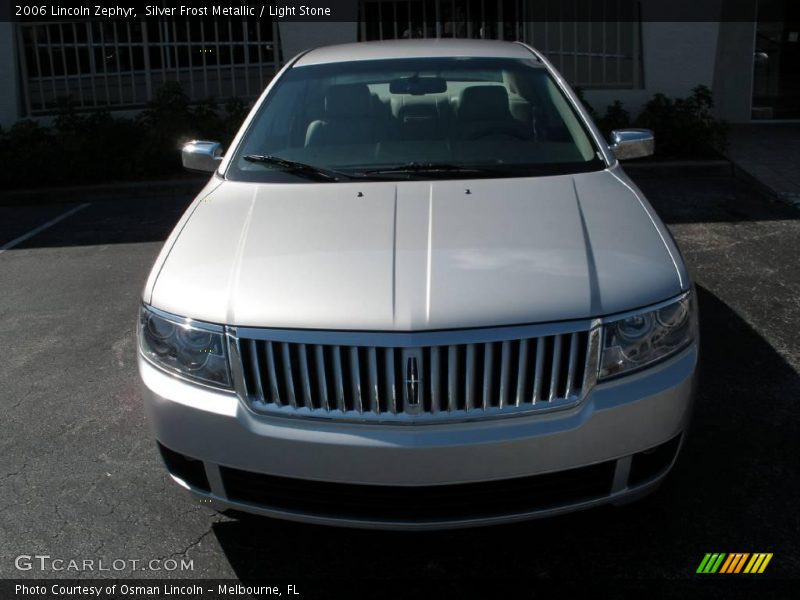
(589, 108)
(684, 127)
(97, 146)
(616, 117)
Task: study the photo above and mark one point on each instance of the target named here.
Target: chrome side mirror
(201, 156)
(632, 143)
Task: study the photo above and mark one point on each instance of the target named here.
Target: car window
(505, 117)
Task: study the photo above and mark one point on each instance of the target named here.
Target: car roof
(419, 48)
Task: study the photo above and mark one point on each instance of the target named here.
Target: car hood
(417, 255)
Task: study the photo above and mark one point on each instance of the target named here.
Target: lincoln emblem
(412, 381)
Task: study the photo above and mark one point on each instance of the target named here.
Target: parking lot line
(42, 227)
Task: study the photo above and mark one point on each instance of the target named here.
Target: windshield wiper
(413, 168)
(299, 168)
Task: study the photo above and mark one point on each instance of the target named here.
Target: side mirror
(201, 156)
(632, 143)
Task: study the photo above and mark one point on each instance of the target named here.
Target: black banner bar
(352, 10)
(409, 588)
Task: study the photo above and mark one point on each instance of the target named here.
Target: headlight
(641, 339)
(184, 347)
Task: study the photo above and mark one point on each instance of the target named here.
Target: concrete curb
(791, 198)
(106, 191)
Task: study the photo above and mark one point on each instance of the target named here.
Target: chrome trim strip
(235, 356)
(415, 419)
(184, 320)
(414, 339)
(644, 309)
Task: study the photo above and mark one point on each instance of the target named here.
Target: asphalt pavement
(80, 476)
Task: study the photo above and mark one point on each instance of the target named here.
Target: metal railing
(594, 45)
(399, 19)
(121, 64)
(600, 48)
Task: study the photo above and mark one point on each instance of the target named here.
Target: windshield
(414, 119)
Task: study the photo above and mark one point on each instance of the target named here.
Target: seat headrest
(483, 102)
(348, 100)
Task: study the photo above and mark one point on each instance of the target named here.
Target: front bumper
(605, 436)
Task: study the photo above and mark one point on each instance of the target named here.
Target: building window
(401, 19)
(593, 44)
(120, 64)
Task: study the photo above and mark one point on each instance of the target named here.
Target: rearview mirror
(418, 86)
(201, 156)
(632, 143)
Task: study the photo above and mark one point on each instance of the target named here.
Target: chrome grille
(413, 383)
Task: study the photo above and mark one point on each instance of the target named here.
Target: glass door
(776, 76)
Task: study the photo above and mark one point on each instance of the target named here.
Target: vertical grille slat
(573, 359)
(355, 379)
(391, 381)
(537, 377)
(488, 367)
(469, 384)
(435, 375)
(372, 359)
(274, 387)
(286, 357)
(522, 373)
(322, 378)
(338, 378)
(554, 372)
(256, 368)
(452, 378)
(507, 375)
(305, 379)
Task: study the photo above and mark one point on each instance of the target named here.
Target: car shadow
(733, 489)
(151, 218)
(102, 222)
(679, 200)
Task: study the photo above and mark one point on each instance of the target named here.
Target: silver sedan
(418, 291)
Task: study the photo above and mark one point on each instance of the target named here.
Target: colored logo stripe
(711, 562)
(758, 563)
(720, 562)
(734, 563)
